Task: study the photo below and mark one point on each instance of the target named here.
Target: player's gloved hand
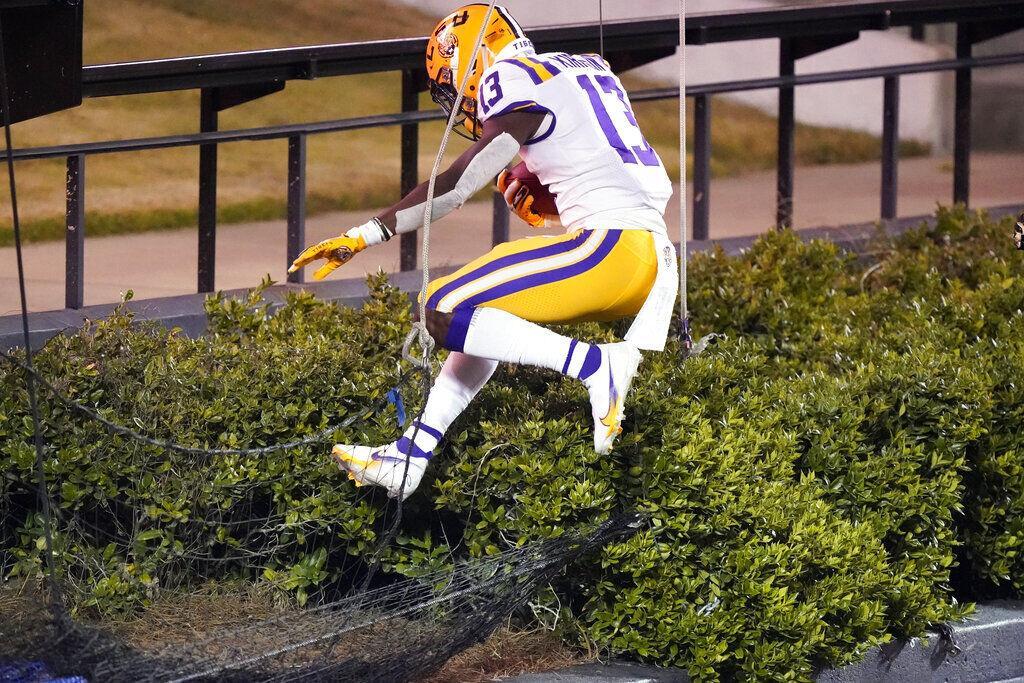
(338, 251)
(520, 201)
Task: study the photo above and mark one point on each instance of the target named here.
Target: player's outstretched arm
(474, 169)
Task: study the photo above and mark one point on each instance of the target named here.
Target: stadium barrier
(186, 312)
(230, 79)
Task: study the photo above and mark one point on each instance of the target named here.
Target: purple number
(610, 132)
(646, 154)
(495, 89)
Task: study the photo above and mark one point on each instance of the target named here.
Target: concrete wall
(188, 312)
(855, 105)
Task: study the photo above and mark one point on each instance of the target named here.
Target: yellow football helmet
(452, 43)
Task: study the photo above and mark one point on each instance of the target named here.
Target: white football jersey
(589, 150)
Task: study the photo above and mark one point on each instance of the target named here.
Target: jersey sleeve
(510, 85)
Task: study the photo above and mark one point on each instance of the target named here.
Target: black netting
(363, 625)
(397, 632)
(221, 518)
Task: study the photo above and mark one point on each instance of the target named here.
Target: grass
(179, 620)
(505, 654)
(186, 619)
(141, 191)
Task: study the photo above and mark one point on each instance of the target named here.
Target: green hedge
(846, 469)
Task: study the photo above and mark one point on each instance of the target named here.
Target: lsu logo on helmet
(446, 46)
(452, 42)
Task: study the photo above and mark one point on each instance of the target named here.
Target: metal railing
(230, 79)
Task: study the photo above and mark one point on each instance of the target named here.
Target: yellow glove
(519, 199)
(339, 250)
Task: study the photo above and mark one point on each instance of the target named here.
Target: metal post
(74, 236)
(296, 202)
(787, 137)
(207, 193)
(890, 146)
(410, 162)
(701, 167)
(499, 219)
(962, 119)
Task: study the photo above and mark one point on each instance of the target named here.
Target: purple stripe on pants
(504, 262)
(538, 279)
(458, 328)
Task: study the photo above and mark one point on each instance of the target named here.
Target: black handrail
(303, 63)
(232, 78)
(402, 118)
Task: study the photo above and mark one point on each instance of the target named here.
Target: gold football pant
(586, 275)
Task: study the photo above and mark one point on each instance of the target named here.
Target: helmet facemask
(455, 36)
(444, 94)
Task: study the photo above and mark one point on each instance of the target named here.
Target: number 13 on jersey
(595, 87)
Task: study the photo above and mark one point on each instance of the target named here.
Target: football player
(570, 120)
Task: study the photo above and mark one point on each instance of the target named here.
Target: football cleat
(608, 389)
(383, 466)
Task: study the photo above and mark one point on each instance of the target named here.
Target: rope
(419, 331)
(684, 312)
(169, 445)
(690, 349)
(37, 428)
(600, 25)
(420, 334)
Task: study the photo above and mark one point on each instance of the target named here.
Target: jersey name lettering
(580, 61)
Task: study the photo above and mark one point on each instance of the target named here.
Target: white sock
(460, 379)
(501, 336)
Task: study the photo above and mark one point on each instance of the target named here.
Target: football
(543, 200)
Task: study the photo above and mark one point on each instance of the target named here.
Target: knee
(438, 324)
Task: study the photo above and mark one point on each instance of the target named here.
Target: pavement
(988, 647)
(160, 264)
